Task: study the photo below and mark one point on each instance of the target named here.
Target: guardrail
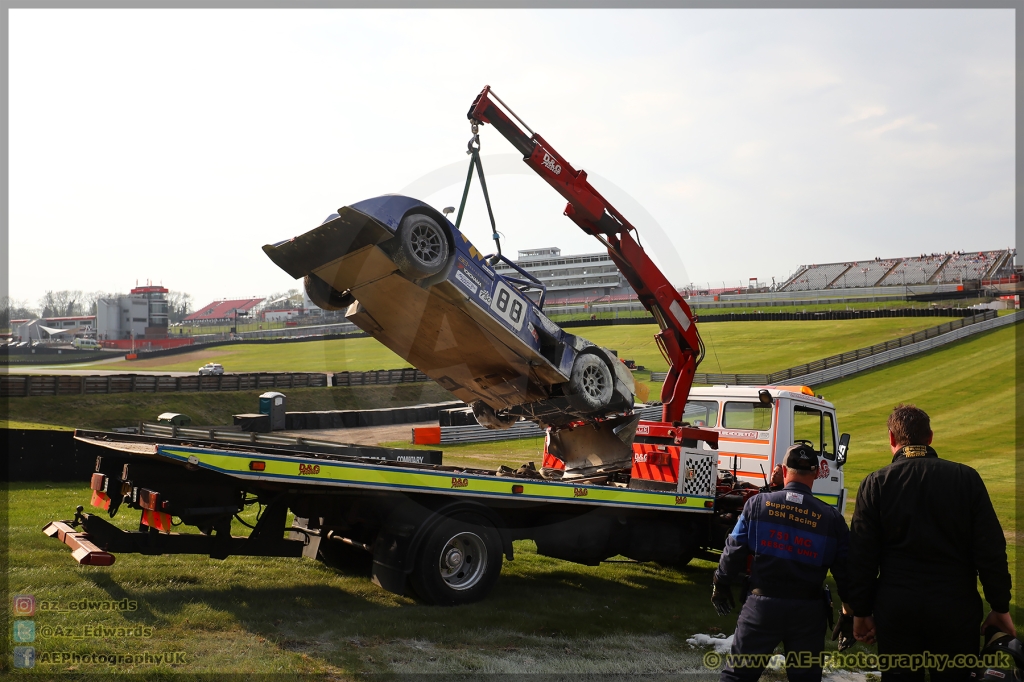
(451, 435)
(22, 385)
(379, 376)
(858, 360)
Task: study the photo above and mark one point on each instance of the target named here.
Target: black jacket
(795, 539)
(924, 525)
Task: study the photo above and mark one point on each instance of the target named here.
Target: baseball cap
(801, 457)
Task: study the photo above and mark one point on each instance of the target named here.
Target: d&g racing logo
(309, 469)
(550, 163)
(460, 482)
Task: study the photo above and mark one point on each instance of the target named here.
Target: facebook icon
(24, 657)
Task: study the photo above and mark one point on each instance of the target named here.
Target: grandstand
(224, 311)
(936, 268)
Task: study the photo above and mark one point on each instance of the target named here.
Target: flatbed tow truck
(441, 531)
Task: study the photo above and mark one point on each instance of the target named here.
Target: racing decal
(509, 306)
(794, 497)
(738, 434)
(823, 469)
(485, 296)
(467, 280)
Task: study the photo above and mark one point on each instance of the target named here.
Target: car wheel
(324, 295)
(422, 247)
(489, 419)
(459, 562)
(592, 381)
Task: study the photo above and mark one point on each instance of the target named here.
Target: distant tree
(11, 309)
(61, 303)
(93, 298)
(179, 305)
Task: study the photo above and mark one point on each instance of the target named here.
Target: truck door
(817, 426)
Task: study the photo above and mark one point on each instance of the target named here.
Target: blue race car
(410, 279)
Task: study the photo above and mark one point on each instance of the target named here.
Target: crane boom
(678, 339)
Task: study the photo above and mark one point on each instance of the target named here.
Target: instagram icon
(24, 605)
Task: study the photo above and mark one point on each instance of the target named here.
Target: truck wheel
(489, 419)
(324, 295)
(591, 380)
(422, 248)
(458, 563)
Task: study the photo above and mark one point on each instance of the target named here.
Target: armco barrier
(24, 385)
(823, 315)
(348, 419)
(849, 368)
(379, 376)
(800, 372)
(451, 435)
(863, 358)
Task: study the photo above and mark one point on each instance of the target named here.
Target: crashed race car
(412, 280)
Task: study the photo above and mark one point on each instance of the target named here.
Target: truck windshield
(701, 413)
(755, 416)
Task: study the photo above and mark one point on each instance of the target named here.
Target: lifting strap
(474, 162)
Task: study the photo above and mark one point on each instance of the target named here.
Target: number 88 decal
(508, 306)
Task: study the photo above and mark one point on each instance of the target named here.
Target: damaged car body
(413, 281)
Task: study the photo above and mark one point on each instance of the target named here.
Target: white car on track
(211, 369)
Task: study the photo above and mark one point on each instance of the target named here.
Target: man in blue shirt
(795, 539)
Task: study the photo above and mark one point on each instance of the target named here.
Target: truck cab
(756, 425)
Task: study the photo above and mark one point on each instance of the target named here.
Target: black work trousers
(799, 624)
(938, 621)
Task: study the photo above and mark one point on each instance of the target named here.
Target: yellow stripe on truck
(328, 472)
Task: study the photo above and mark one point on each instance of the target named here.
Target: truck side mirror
(844, 443)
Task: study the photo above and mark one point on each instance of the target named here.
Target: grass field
(208, 408)
(732, 347)
(285, 615)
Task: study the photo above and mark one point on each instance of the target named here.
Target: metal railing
(853, 361)
(22, 385)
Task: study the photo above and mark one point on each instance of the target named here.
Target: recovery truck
(442, 531)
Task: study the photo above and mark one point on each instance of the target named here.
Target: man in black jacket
(923, 532)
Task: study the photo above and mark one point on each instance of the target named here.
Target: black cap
(801, 457)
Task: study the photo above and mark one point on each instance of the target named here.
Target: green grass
(732, 347)
(208, 408)
(248, 615)
(266, 615)
(36, 426)
(760, 347)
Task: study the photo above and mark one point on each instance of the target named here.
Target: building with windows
(142, 314)
(587, 277)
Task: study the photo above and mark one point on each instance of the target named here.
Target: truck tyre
(458, 562)
(489, 419)
(324, 295)
(422, 247)
(592, 380)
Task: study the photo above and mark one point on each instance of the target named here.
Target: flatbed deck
(317, 470)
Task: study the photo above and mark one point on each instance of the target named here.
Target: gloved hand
(844, 632)
(721, 599)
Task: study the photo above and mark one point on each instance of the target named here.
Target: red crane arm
(678, 339)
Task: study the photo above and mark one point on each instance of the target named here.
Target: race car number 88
(508, 306)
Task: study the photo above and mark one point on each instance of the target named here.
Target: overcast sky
(170, 145)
